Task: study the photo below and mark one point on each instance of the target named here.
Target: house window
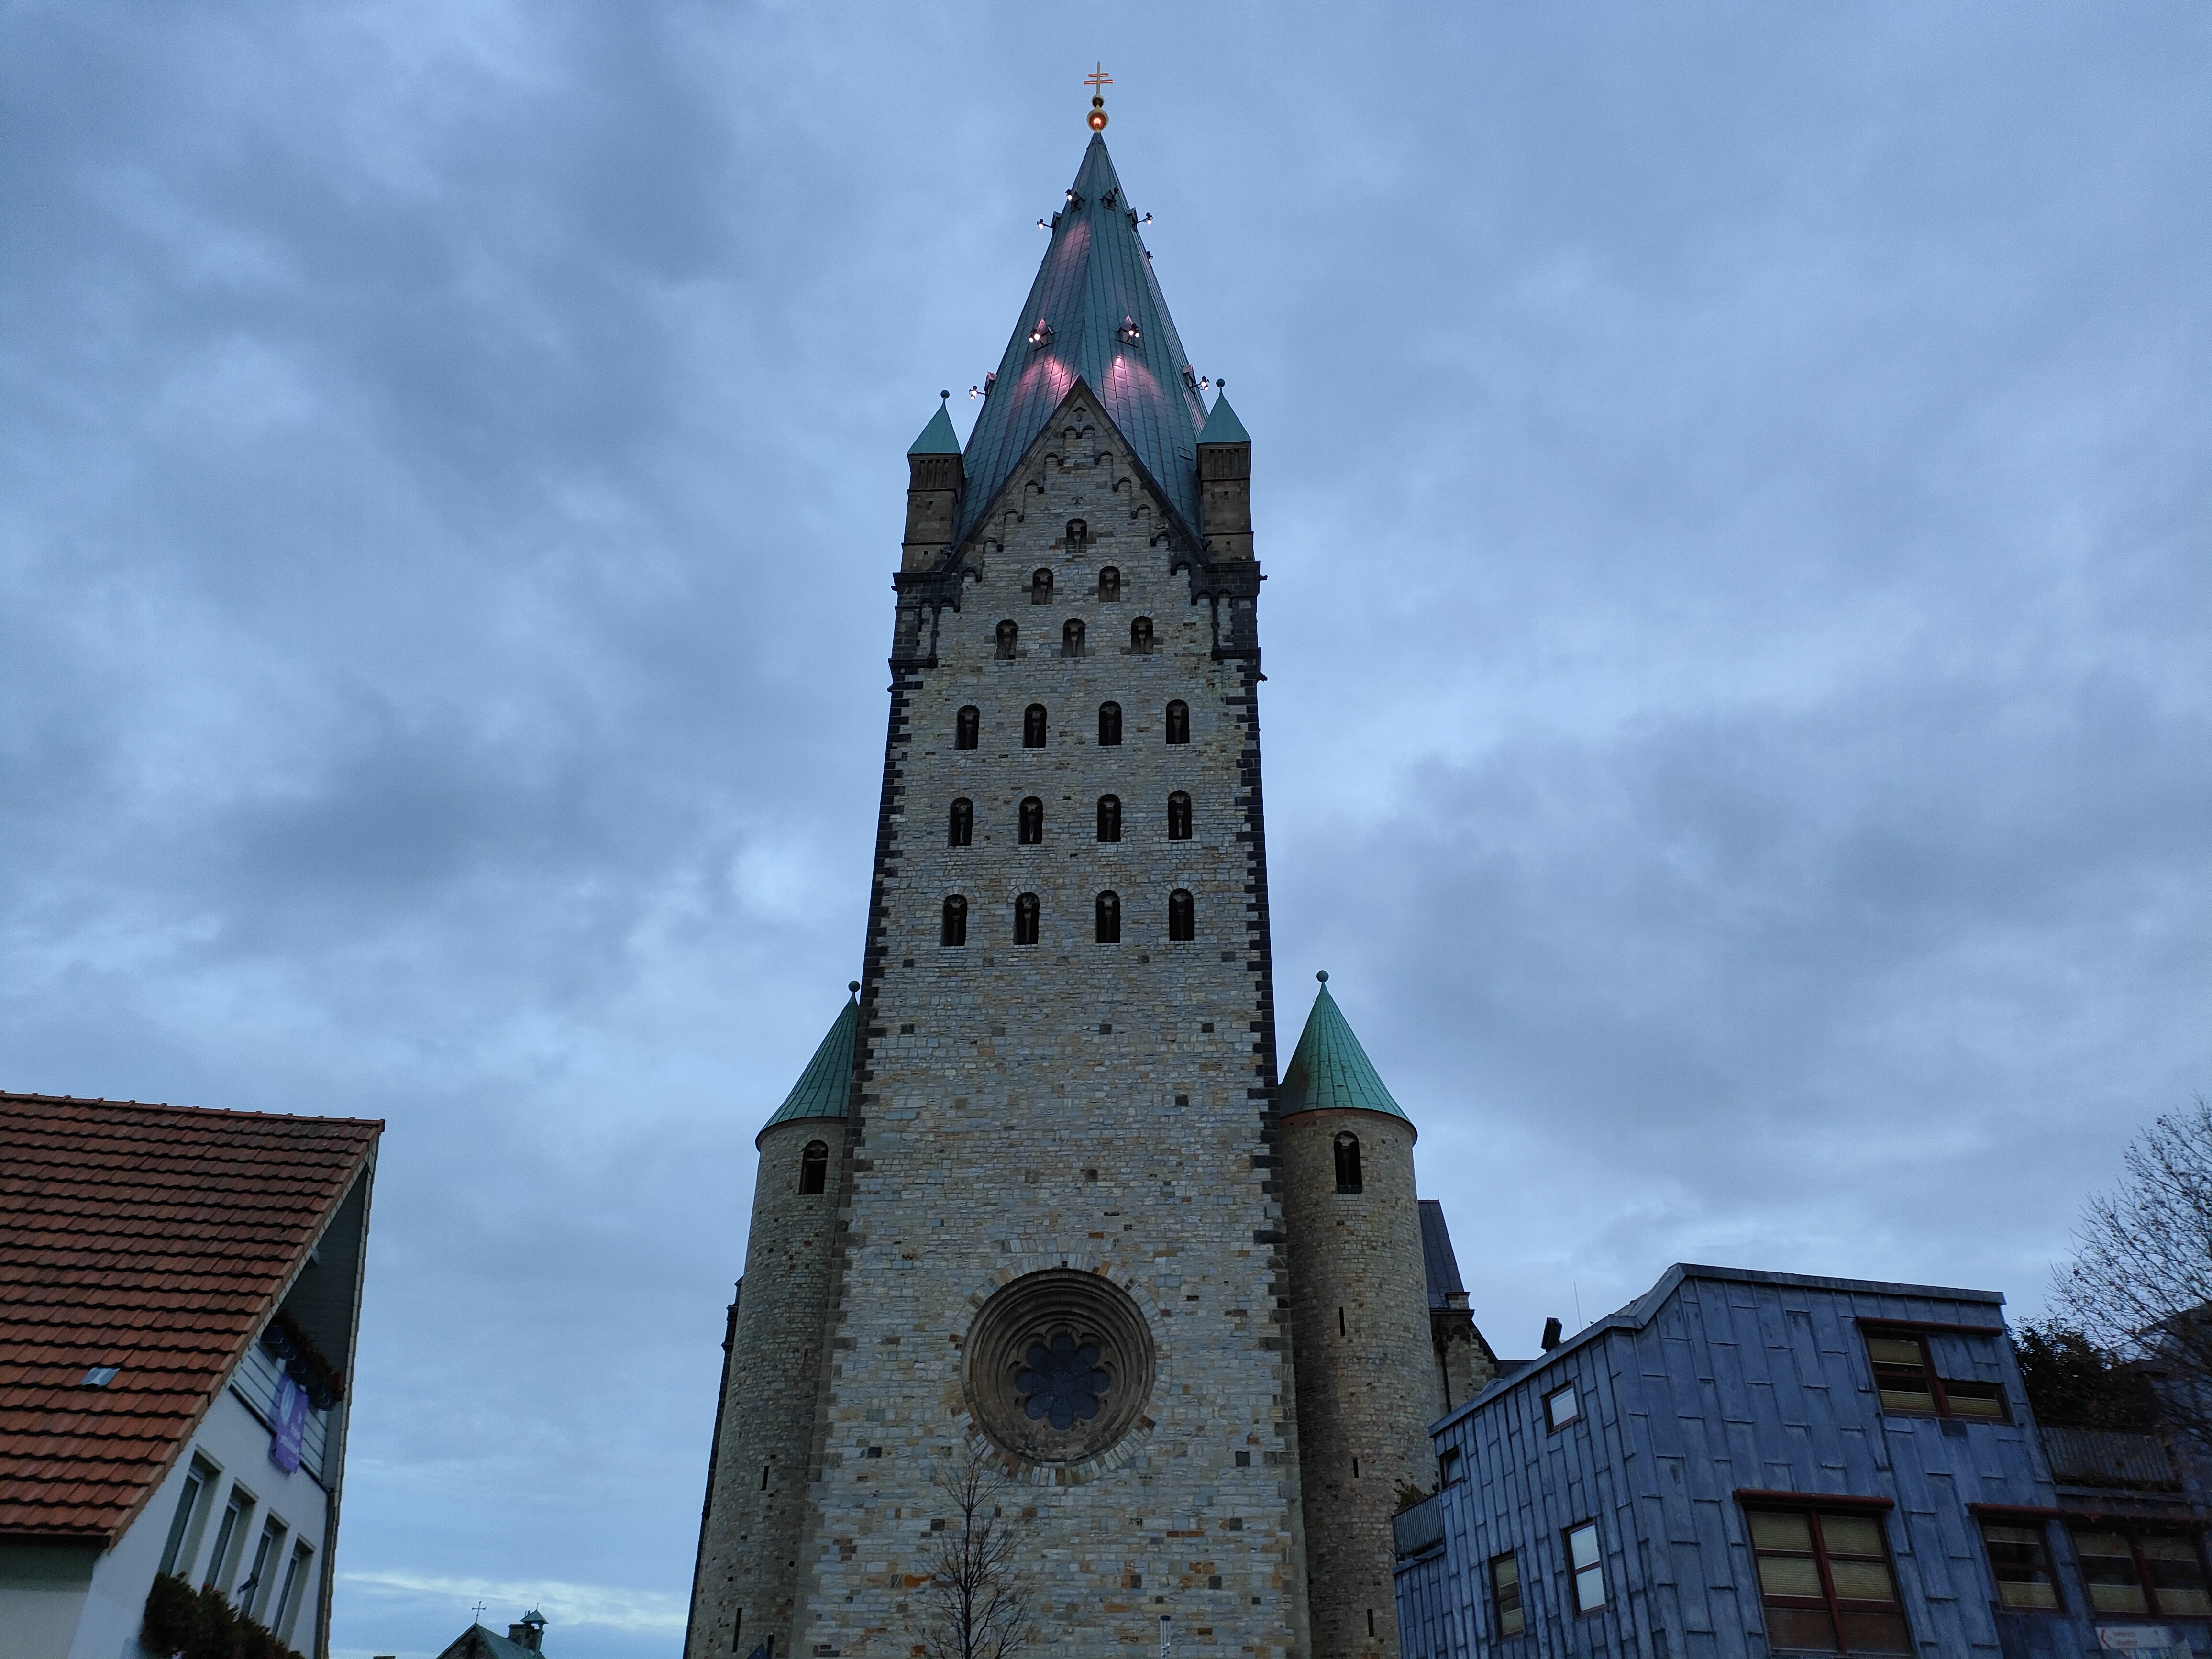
(235, 1510)
(1447, 1469)
(1561, 1407)
(1033, 727)
(1025, 918)
(197, 1480)
(1182, 917)
(1109, 725)
(2020, 1563)
(955, 921)
(1109, 817)
(253, 1590)
(296, 1579)
(967, 726)
(1178, 817)
(1109, 585)
(1586, 1564)
(1032, 822)
(813, 1169)
(1041, 586)
(1108, 914)
(962, 831)
(2141, 1572)
(1178, 722)
(1347, 1164)
(1140, 637)
(1506, 1595)
(1826, 1578)
(1008, 637)
(1905, 1376)
(1070, 638)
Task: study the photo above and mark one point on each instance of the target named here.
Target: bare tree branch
(978, 1593)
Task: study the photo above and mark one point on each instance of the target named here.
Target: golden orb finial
(1098, 80)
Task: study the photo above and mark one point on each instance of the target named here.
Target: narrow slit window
(1032, 822)
(1041, 586)
(1140, 637)
(1070, 638)
(961, 831)
(966, 728)
(813, 1169)
(1178, 722)
(1109, 585)
(1347, 1163)
(1178, 817)
(1109, 817)
(1079, 533)
(1107, 917)
(1182, 917)
(1025, 918)
(1033, 727)
(955, 921)
(1010, 638)
(1110, 726)
(1587, 1564)
(1506, 1595)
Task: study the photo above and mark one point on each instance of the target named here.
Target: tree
(978, 1593)
(2073, 1383)
(2140, 1284)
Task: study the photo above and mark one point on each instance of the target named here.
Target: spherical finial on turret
(1098, 80)
(1323, 977)
(854, 987)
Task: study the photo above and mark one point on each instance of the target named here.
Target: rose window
(1062, 1382)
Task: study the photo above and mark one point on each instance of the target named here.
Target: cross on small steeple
(1098, 80)
(479, 1611)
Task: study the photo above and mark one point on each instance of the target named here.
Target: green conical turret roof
(936, 438)
(1330, 1071)
(1222, 425)
(823, 1087)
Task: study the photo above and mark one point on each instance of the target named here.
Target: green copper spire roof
(1222, 426)
(823, 1087)
(1330, 1071)
(1096, 315)
(936, 438)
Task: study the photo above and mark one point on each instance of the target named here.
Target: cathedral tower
(1059, 1247)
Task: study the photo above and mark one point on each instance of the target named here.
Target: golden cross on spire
(1098, 80)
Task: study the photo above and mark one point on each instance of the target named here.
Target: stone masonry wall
(1369, 1384)
(749, 1554)
(1102, 1107)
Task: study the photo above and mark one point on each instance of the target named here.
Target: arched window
(1109, 817)
(1079, 532)
(1033, 727)
(1109, 585)
(963, 831)
(1032, 833)
(1041, 586)
(1025, 918)
(1182, 917)
(1140, 635)
(1008, 637)
(1109, 725)
(1070, 638)
(967, 726)
(1109, 917)
(1178, 817)
(1178, 722)
(813, 1169)
(1347, 1164)
(955, 921)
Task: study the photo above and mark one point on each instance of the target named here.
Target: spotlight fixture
(1041, 334)
(1129, 333)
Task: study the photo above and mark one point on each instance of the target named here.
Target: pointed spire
(1094, 314)
(1222, 425)
(1329, 1070)
(823, 1087)
(937, 437)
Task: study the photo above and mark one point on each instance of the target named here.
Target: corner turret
(936, 482)
(1224, 483)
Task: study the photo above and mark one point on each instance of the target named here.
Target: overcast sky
(1735, 480)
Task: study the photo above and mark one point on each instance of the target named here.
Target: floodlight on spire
(1098, 80)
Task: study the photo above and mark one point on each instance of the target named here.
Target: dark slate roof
(155, 1239)
(1096, 277)
(1438, 1260)
(937, 438)
(1222, 426)
(477, 1643)
(1329, 1070)
(823, 1086)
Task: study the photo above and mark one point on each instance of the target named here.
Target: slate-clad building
(1040, 1198)
(1744, 1463)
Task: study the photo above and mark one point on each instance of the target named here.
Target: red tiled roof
(155, 1239)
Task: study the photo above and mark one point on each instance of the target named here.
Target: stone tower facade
(1063, 1248)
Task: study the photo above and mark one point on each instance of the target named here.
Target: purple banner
(289, 1426)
